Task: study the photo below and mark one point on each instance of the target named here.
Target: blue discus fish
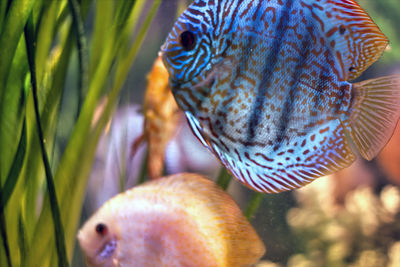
(264, 84)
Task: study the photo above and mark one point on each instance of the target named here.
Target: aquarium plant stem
(15, 169)
(58, 228)
(8, 188)
(83, 57)
(253, 205)
(143, 170)
(4, 231)
(224, 178)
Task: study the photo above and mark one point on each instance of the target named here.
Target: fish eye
(187, 40)
(342, 29)
(101, 229)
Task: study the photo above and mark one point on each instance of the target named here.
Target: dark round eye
(187, 40)
(342, 29)
(101, 229)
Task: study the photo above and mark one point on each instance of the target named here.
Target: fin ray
(375, 114)
(333, 155)
(355, 39)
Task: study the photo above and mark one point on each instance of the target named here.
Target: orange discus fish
(180, 220)
(161, 117)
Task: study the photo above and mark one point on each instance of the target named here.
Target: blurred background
(347, 219)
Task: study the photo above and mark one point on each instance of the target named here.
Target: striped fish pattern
(265, 86)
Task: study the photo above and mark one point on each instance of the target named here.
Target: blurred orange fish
(180, 220)
(161, 117)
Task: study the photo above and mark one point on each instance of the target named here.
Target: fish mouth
(107, 250)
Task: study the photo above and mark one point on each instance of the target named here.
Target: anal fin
(326, 151)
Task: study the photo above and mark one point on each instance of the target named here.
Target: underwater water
(90, 73)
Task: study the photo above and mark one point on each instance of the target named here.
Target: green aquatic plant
(44, 163)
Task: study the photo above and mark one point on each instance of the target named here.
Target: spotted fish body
(264, 85)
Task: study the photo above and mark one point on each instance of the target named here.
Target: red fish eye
(101, 229)
(187, 40)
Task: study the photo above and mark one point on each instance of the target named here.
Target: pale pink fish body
(180, 220)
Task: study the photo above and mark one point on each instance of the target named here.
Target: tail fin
(375, 114)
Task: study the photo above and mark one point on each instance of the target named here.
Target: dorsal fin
(354, 38)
